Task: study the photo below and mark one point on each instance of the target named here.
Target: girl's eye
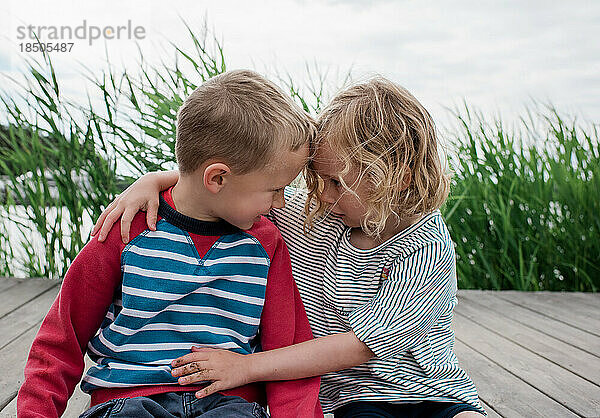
(335, 182)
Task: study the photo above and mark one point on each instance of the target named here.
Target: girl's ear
(215, 177)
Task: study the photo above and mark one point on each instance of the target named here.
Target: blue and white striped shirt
(172, 299)
(397, 298)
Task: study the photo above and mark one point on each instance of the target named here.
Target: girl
(376, 270)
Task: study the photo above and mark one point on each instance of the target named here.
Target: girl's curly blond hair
(380, 129)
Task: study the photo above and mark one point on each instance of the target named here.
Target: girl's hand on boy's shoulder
(141, 195)
(225, 369)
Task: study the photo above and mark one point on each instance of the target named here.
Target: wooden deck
(530, 354)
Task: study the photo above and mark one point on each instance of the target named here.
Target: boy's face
(248, 196)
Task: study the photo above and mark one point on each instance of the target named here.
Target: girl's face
(344, 203)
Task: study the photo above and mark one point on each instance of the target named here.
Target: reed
(525, 204)
(524, 209)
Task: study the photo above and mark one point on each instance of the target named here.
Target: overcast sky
(497, 56)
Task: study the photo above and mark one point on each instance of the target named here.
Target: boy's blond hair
(380, 129)
(241, 118)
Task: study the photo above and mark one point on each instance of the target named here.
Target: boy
(214, 273)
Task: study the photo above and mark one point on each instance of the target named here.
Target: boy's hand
(226, 369)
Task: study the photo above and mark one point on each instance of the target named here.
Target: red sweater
(55, 364)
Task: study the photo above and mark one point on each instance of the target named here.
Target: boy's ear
(215, 177)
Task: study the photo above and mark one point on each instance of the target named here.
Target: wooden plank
(78, 403)
(23, 292)
(559, 330)
(14, 356)
(7, 282)
(577, 361)
(503, 391)
(568, 315)
(577, 394)
(592, 299)
(490, 412)
(25, 317)
(589, 299)
(565, 300)
(10, 411)
(488, 409)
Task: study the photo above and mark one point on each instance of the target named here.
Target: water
(22, 234)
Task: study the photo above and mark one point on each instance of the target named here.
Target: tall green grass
(49, 151)
(523, 209)
(525, 205)
(64, 160)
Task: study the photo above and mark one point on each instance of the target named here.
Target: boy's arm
(284, 322)
(55, 362)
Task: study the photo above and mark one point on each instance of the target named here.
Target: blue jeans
(176, 405)
(426, 409)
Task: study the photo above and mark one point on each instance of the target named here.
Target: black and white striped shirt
(397, 298)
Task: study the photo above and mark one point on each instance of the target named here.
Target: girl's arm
(141, 195)
(310, 358)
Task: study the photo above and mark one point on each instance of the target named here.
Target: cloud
(493, 53)
(5, 62)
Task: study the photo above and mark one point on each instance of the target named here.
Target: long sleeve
(284, 323)
(55, 362)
